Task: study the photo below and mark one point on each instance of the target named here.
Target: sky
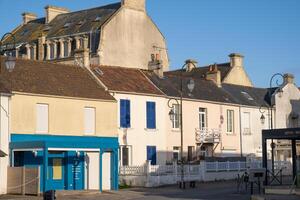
(266, 32)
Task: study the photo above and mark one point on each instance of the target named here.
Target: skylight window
(247, 96)
(24, 32)
(98, 71)
(97, 19)
(67, 25)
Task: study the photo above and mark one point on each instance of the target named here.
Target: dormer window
(98, 71)
(97, 19)
(247, 96)
(67, 25)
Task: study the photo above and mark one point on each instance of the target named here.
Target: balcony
(207, 135)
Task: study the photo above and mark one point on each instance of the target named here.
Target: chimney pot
(288, 78)
(214, 75)
(52, 11)
(27, 17)
(236, 60)
(135, 4)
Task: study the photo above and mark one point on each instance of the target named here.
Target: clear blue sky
(267, 32)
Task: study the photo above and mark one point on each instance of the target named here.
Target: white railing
(154, 175)
(206, 135)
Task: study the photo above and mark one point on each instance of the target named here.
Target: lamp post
(10, 60)
(270, 108)
(172, 114)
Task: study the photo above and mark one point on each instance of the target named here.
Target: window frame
(38, 128)
(176, 119)
(201, 113)
(230, 118)
(85, 120)
(151, 115)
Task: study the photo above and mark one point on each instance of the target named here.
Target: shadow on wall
(293, 119)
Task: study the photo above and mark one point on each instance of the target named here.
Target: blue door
(56, 173)
(151, 154)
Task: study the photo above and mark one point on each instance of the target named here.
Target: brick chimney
(236, 60)
(288, 78)
(135, 4)
(52, 11)
(27, 17)
(214, 74)
(191, 64)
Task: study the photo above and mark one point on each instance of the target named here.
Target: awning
(2, 153)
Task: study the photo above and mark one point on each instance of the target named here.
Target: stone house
(119, 34)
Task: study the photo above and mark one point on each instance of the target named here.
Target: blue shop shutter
(124, 113)
(151, 154)
(151, 115)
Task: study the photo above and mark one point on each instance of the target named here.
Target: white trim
(29, 149)
(74, 149)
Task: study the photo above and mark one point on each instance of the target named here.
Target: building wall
(138, 136)
(251, 142)
(230, 143)
(286, 104)
(66, 115)
(4, 141)
(128, 40)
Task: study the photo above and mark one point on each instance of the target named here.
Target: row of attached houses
(58, 118)
(90, 91)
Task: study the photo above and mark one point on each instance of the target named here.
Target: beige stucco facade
(129, 38)
(66, 115)
(229, 142)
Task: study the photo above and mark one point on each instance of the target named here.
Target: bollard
(49, 195)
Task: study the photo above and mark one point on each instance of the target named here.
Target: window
(202, 118)
(151, 115)
(51, 51)
(176, 118)
(89, 120)
(57, 166)
(124, 113)
(151, 154)
(230, 121)
(246, 123)
(176, 153)
(31, 53)
(42, 118)
(125, 155)
(66, 49)
(190, 153)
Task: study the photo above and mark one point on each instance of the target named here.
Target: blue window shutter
(151, 154)
(151, 118)
(123, 113)
(127, 113)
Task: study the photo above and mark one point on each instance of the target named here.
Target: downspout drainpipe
(241, 139)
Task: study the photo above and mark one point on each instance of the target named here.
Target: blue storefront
(62, 159)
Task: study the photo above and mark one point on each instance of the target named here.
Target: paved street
(207, 191)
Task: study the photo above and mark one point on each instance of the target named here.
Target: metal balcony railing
(207, 135)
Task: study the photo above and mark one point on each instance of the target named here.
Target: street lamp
(270, 108)
(10, 60)
(172, 114)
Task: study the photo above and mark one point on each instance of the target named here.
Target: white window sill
(121, 128)
(230, 134)
(177, 130)
(151, 129)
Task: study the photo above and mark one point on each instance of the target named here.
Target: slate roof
(200, 72)
(52, 79)
(79, 22)
(125, 80)
(204, 89)
(256, 96)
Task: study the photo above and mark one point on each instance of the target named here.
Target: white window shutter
(42, 118)
(89, 120)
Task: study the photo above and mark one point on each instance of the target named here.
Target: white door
(93, 171)
(106, 171)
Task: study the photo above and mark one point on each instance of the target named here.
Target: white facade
(137, 137)
(4, 141)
